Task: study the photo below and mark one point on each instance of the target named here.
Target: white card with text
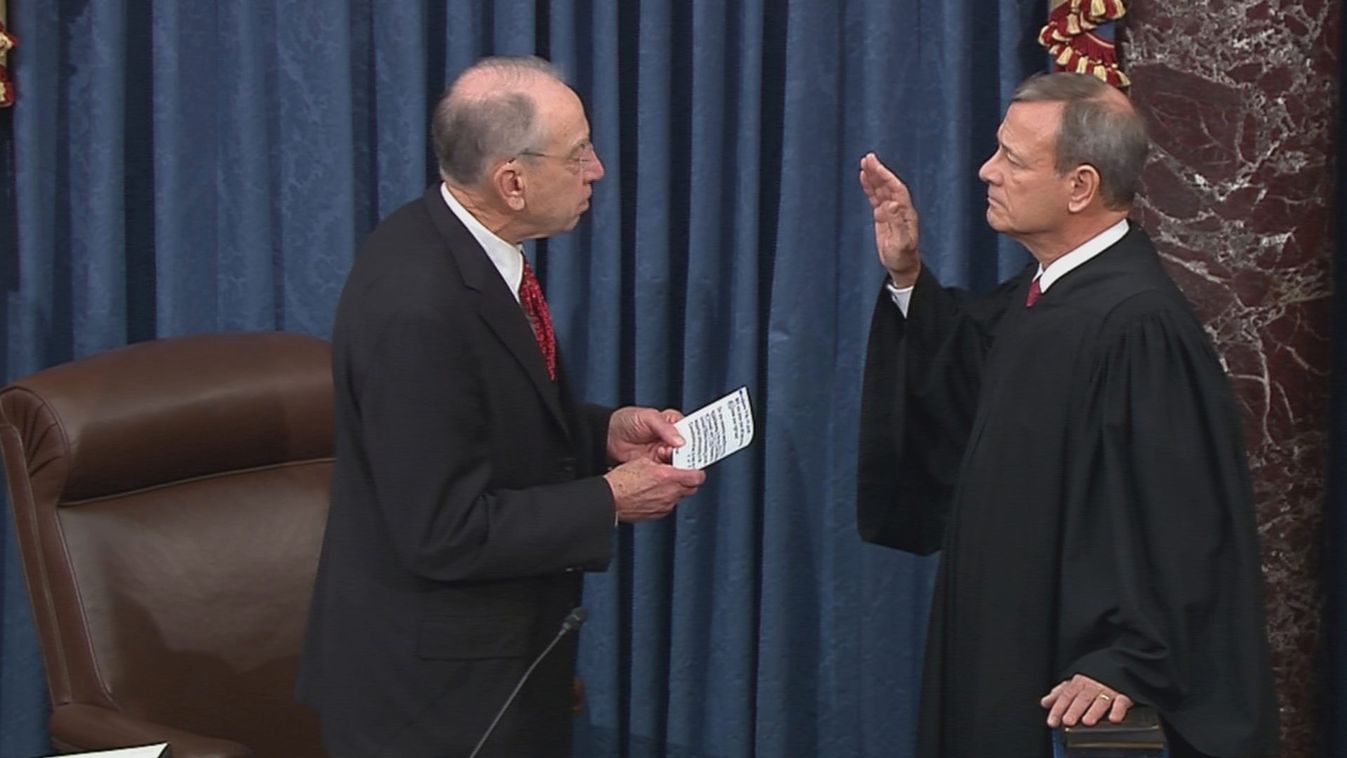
(148, 751)
(714, 431)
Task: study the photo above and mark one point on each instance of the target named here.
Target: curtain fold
(183, 168)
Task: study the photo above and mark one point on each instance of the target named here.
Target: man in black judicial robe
(1070, 443)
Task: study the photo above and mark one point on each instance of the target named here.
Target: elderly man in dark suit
(470, 489)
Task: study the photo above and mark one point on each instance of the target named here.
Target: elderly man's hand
(1081, 699)
(643, 433)
(895, 221)
(644, 490)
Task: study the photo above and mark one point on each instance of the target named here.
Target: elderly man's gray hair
(470, 130)
(1095, 130)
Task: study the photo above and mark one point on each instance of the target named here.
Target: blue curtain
(185, 167)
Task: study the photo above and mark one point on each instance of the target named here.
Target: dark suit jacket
(466, 499)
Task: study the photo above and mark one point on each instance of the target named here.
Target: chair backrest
(169, 499)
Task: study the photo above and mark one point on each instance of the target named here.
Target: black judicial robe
(1080, 466)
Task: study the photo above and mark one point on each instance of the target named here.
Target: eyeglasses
(580, 158)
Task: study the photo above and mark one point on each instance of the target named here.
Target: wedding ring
(1104, 696)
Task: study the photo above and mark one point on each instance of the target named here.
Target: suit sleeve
(429, 436)
(594, 419)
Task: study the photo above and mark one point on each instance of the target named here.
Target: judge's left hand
(643, 433)
(1084, 700)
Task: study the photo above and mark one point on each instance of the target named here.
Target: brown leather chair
(169, 499)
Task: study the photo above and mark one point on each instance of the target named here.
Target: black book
(1139, 734)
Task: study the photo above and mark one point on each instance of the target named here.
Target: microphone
(573, 620)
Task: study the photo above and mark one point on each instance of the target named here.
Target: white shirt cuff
(901, 295)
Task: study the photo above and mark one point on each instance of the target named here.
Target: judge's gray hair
(1095, 130)
(470, 130)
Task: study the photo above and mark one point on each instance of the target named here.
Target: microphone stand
(572, 622)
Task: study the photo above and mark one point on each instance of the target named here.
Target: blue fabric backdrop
(181, 167)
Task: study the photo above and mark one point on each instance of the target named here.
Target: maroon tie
(531, 298)
(1034, 294)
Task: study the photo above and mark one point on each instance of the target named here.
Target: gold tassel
(1072, 45)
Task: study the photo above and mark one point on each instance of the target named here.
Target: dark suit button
(567, 466)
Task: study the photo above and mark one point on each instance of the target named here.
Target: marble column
(1241, 96)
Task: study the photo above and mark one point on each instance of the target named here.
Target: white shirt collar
(508, 259)
(1092, 247)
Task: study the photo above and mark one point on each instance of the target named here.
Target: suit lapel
(495, 303)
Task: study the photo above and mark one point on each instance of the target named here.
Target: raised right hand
(895, 221)
(645, 490)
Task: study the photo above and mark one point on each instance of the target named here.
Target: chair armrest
(90, 727)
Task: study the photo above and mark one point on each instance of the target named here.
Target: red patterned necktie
(531, 298)
(1034, 293)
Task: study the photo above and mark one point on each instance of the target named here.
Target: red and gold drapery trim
(7, 43)
(1072, 38)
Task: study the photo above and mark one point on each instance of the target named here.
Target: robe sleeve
(921, 382)
(1161, 580)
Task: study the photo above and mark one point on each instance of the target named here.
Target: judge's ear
(508, 181)
(1084, 187)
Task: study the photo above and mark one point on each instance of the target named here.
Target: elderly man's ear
(1084, 187)
(508, 182)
